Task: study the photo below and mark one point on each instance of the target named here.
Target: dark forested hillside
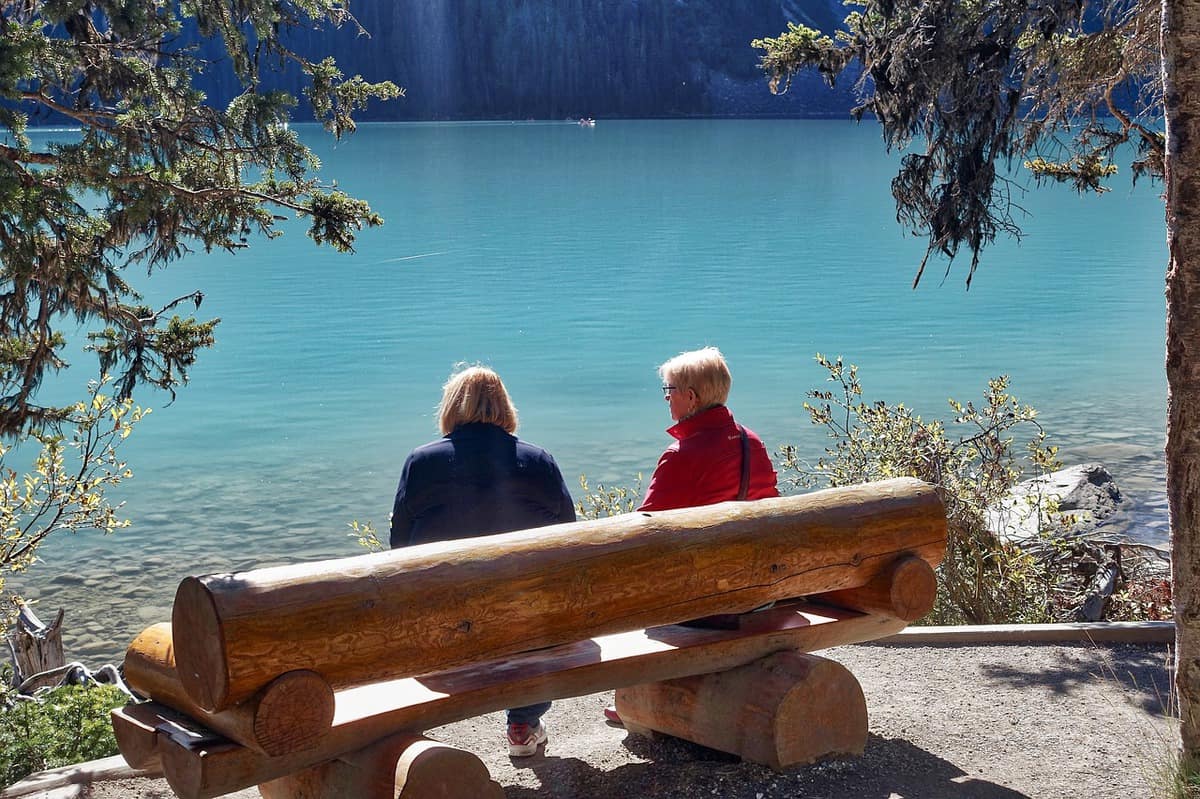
(553, 59)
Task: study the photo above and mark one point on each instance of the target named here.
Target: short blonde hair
(703, 371)
(475, 394)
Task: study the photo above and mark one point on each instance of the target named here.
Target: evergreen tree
(1059, 84)
(140, 171)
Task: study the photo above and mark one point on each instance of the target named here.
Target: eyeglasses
(668, 389)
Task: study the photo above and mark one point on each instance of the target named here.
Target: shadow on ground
(676, 768)
(1142, 673)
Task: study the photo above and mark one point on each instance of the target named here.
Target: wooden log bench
(319, 679)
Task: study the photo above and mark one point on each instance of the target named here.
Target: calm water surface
(574, 261)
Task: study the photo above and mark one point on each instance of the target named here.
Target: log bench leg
(403, 766)
(783, 710)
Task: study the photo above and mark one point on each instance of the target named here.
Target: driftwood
(1104, 582)
(35, 647)
(73, 674)
(39, 663)
(78, 777)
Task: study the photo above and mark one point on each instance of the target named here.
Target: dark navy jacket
(475, 481)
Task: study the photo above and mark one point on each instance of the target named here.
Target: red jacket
(705, 465)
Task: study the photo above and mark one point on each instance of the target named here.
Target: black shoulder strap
(744, 488)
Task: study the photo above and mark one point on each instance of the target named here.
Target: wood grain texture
(783, 710)
(438, 606)
(399, 767)
(906, 590)
(291, 713)
(199, 768)
(135, 727)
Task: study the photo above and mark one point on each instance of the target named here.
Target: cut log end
(428, 768)
(294, 712)
(137, 737)
(906, 591)
(150, 666)
(914, 589)
(200, 648)
(183, 772)
(403, 766)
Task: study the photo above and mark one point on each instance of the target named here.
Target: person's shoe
(612, 716)
(523, 739)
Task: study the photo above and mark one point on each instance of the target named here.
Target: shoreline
(113, 587)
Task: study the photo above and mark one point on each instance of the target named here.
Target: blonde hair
(475, 394)
(703, 371)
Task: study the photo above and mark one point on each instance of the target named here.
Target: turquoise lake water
(574, 261)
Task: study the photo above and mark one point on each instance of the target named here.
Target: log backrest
(431, 607)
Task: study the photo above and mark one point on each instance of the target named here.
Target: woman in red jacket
(713, 459)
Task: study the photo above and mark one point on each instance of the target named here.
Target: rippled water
(574, 261)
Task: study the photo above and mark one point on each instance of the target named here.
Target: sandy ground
(961, 722)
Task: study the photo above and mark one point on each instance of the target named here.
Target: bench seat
(199, 763)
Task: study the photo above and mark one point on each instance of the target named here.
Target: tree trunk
(1181, 79)
(35, 647)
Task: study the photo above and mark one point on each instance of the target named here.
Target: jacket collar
(715, 417)
(477, 429)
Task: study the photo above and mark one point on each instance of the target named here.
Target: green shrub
(64, 491)
(982, 579)
(607, 500)
(366, 535)
(63, 726)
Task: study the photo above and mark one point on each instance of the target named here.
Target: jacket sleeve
(566, 512)
(670, 485)
(401, 527)
(764, 482)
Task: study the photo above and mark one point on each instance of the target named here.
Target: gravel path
(960, 722)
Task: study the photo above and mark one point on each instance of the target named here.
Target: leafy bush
(607, 500)
(60, 727)
(1146, 600)
(983, 579)
(366, 535)
(64, 491)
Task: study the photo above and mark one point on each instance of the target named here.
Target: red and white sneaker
(523, 739)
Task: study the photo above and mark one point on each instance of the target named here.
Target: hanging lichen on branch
(1056, 84)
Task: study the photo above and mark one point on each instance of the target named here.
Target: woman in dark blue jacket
(478, 479)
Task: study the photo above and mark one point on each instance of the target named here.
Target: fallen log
(1101, 588)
